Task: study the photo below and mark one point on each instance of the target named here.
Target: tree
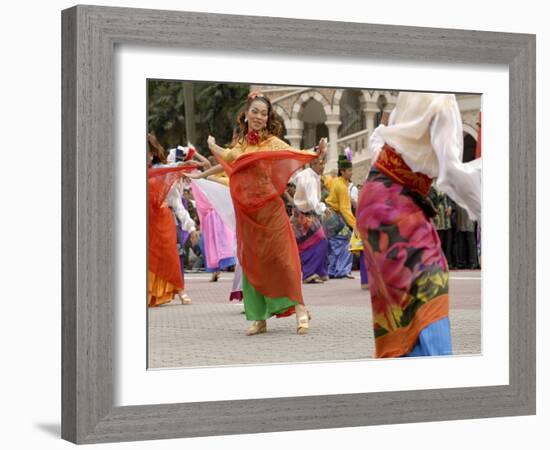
(216, 107)
(189, 108)
(165, 115)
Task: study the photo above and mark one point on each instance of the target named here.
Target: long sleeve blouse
(339, 200)
(426, 130)
(308, 192)
(176, 204)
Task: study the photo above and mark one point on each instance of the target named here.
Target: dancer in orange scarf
(259, 166)
(164, 278)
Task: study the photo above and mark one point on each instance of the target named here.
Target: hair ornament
(348, 153)
(255, 94)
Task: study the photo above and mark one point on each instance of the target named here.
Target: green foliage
(216, 109)
(165, 112)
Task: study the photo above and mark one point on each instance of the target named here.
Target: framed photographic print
(117, 354)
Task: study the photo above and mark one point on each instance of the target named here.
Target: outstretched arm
(205, 163)
(212, 171)
(215, 148)
(227, 154)
(323, 144)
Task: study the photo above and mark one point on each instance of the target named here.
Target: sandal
(258, 327)
(184, 298)
(313, 279)
(303, 323)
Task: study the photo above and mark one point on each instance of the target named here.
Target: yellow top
(221, 178)
(338, 199)
(328, 179)
(271, 143)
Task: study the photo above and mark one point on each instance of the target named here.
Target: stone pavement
(210, 331)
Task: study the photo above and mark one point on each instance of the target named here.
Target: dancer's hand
(211, 142)
(188, 163)
(194, 175)
(323, 143)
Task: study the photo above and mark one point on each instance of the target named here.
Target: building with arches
(348, 117)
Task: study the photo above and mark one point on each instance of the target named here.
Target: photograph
(302, 224)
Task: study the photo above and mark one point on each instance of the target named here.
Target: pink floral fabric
(406, 266)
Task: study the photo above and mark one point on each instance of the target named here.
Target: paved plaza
(211, 331)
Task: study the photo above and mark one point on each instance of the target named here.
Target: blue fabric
(434, 340)
(224, 263)
(340, 258)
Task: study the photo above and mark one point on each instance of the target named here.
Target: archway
(469, 152)
(313, 117)
(352, 113)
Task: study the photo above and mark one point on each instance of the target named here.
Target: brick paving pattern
(210, 331)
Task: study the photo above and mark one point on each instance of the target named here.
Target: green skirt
(260, 307)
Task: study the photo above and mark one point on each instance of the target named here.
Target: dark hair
(157, 150)
(274, 125)
(341, 170)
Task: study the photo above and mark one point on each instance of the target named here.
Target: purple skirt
(363, 269)
(314, 260)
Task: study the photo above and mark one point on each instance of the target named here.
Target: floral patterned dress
(408, 272)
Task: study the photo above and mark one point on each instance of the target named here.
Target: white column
(295, 132)
(332, 158)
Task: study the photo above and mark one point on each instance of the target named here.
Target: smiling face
(257, 115)
(346, 174)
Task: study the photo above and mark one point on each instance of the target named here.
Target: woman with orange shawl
(164, 277)
(259, 166)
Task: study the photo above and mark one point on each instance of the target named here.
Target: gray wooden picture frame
(90, 34)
